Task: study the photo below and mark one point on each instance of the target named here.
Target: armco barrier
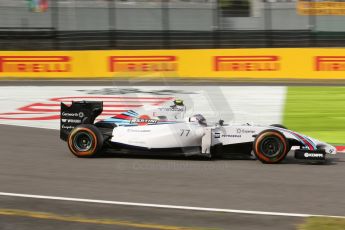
(285, 63)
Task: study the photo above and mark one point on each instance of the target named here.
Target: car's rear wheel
(270, 146)
(85, 141)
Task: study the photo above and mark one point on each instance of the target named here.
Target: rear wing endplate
(79, 112)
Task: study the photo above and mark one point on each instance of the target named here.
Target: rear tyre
(270, 146)
(85, 141)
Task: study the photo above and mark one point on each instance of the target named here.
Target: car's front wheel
(270, 146)
(85, 141)
(279, 126)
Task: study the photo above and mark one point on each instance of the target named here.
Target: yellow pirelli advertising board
(302, 63)
(321, 7)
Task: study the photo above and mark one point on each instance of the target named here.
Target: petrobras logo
(246, 63)
(216, 135)
(35, 64)
(231, 136)
(330, 63)
(142, 63)
(316, 155)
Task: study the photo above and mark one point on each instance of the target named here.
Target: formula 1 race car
(165, 129)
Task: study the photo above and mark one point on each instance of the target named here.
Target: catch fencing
(167, 24)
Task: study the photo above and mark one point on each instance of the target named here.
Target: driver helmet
(198, 118)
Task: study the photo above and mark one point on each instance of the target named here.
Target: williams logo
(76, 121)
(330, 63)
(34, 64)
(246, 63)
(142, 63)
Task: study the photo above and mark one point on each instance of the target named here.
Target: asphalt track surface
(35, 161)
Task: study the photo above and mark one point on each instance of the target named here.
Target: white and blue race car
(165, 130)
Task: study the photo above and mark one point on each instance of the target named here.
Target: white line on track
(165, 206)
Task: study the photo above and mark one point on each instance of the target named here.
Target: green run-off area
(323, 223)
(318, 112)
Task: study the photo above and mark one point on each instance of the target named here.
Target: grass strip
(318, 112)
(322, 223)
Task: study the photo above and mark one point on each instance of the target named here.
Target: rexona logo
(330, 63)
(142, 63)
(246, 63)
(34, 64)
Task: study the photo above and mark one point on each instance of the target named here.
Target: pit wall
(285, 63)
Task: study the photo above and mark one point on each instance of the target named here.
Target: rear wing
(79, 112)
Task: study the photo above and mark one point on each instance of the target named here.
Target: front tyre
(279, 126)
(270, 146)
(85, 141)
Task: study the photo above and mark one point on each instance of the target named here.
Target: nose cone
(329, 149)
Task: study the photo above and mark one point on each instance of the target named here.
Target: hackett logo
(246, 63)
(330, 63)
(142, 63)
(45, 64)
